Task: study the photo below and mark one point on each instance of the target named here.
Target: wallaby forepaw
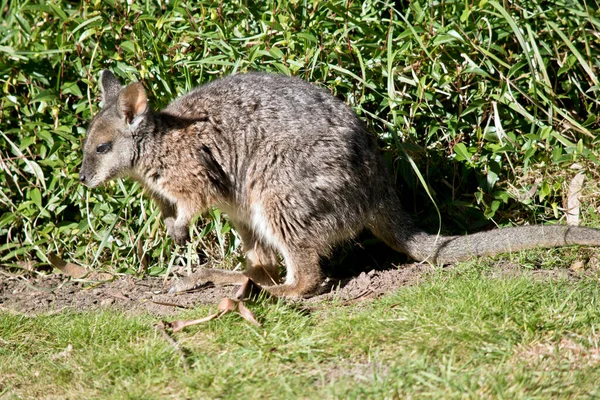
(180, 235)
(180, 238)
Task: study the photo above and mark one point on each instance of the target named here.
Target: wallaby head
(110, 147)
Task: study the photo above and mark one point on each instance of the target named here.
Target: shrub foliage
(477, 95)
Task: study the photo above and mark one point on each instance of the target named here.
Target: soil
(55, 293)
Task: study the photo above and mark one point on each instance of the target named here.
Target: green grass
(492, 101)
(459, 334)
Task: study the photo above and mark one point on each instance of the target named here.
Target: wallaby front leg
(168, 210)
(179, 227)
(176, 218)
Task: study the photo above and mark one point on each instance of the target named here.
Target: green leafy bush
(492, 98)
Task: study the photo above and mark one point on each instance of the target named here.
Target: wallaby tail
(446, 249)
(393, 226)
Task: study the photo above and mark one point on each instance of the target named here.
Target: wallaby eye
(103, 148)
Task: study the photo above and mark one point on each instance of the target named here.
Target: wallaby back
(293, 167)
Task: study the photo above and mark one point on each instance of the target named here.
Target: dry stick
(178, 325)
(167, 304)
(573, 195)
(226, 305)
(161, 328)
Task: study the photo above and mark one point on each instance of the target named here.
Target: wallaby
(293, 167)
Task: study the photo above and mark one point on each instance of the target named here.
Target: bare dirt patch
(55, 293)
(548, 353)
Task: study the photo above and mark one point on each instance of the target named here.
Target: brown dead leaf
(26, 265)
(227, 305)
(67, 268)
(143, 257)
(577, 266)
(247, 314)
(594, 264)
(573, 195)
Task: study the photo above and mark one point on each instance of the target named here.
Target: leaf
(247, 314)
(307, 36)
(85, 23)
(586, 67)
(492, 174)
(573, 195)
(227, 305)
(36, 197)
(461, 152)
(72, 88)
(128, 46)
(34, 169)
(44, 95)
(30, 166)
(544, 190)
(67, 268)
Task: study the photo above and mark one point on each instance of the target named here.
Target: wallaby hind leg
(303, 274)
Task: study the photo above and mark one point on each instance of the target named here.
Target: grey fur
(293, 167)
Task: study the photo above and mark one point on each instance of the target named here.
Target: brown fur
(292, 166)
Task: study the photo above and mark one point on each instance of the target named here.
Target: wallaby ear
(133, 101)
(110, 87)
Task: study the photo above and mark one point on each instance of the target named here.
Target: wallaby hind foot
(204, 276)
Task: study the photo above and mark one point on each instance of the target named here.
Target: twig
(164, 303)
(160, 326)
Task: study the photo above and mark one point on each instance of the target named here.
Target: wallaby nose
(82, 178)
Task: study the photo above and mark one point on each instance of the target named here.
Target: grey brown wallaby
(293, 167)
